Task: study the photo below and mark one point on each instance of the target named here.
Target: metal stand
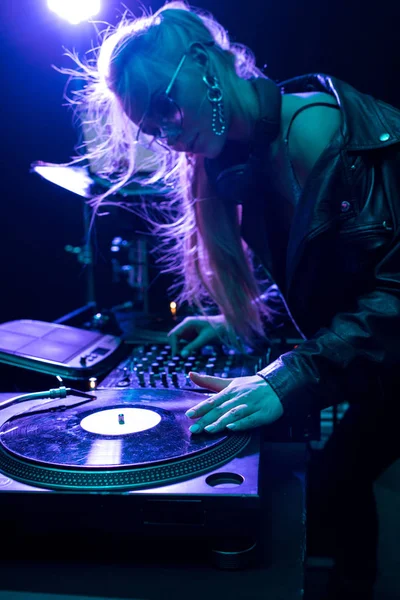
(88, 253)
(130, 263)
(129, 257)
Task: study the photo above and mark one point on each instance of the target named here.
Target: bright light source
(75, 11)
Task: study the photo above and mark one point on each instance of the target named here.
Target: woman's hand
(201, 331)
(240, 403)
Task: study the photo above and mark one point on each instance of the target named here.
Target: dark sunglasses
(166, 113)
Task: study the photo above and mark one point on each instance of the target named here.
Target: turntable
(124, 440)
(125, 463)
(120, 480)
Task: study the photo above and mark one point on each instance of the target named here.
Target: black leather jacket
(342, 275)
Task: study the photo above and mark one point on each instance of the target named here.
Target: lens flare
(75, 11)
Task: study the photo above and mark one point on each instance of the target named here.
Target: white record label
(120, 421)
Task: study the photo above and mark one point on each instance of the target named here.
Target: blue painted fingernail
(232, 426)
(195, 428)
(210, 427)
(190, 413)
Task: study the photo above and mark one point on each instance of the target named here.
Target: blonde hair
(198, 233)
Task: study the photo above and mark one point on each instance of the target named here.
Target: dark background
(38, 278)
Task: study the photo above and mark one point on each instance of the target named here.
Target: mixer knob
(210, 368)
(160, 359)
(141, 378)
(164, 379)
(178, 363)
(154, 348)
(208, 351)
(191, 359)
(171, 367)
(152, 379)
(188, 366)
(175, 380)
(126, 378)
(155, 367)
(83, 360)
(139, 367)
(123, 383)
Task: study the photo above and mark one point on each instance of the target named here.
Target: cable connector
(61, 392)
(53, 394)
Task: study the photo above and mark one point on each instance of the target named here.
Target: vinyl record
(124, 431)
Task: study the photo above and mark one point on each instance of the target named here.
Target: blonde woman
(305, 175)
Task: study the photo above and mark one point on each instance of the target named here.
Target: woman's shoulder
(309, 122)
(291, 103)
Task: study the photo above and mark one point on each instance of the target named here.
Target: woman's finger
(205, 335)
(247, 422)
(216, 413)
(178, 330)
(206, 406)
(214, 384)
(185, 324)
(234, 415)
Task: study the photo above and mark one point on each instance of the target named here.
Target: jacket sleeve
(347, 356)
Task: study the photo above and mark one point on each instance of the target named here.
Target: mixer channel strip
(153, 366)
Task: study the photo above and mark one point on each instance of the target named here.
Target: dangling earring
(215, 95)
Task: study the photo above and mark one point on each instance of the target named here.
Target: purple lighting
(75, 11)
